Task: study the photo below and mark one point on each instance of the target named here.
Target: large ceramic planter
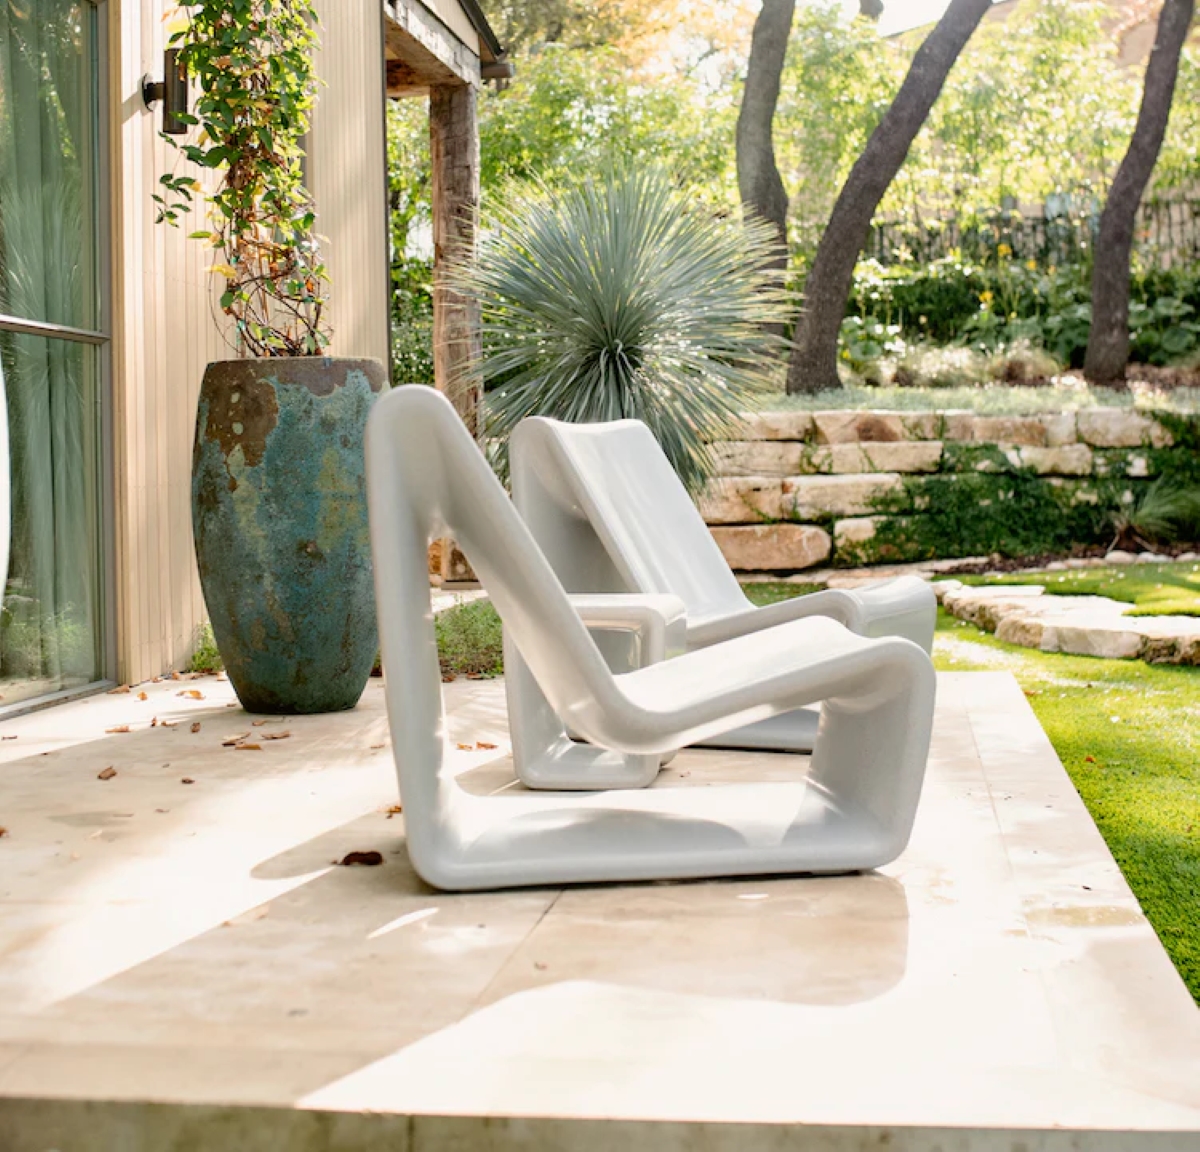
(279, 510)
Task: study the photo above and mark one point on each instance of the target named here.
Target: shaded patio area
(186, 965)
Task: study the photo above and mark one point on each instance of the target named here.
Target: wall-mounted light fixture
(172, 90)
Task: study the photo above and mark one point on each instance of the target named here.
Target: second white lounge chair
(610, 514)
(426, 477)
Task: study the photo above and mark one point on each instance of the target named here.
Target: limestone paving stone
(757, 457)
(741, 500)
(958, 425)
(815, 497)
(921, 425)
(737, 1016)
(857, 427)
(772, 547)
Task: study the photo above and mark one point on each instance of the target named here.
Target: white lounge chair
(427, 478)
(610, 514)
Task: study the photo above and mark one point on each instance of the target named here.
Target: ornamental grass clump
(616, 296)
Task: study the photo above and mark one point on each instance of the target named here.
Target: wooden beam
(454, 155)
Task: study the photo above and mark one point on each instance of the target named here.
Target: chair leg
(544, 755)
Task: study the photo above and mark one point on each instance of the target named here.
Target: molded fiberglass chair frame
(610, 515)
(855, 809)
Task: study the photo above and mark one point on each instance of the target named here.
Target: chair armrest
(659, 621)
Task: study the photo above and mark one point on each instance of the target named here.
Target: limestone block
(942, 587)
(772, 547)
(1120, 428)
(1093, 638)
(757, 458)
(811, 497)
(896, 456)
(777, 426)
(958, 425)
(1063, 460)
(855, 531)
(1119, 556)
(1060, 429)
(921, 425)
(851, 427)
(1009, 430)
(1137, 466)
(741, 500)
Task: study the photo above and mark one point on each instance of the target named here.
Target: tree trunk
(813, 366)
(1108, 339)
(759, 183)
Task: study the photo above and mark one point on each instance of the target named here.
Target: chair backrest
(426, 475)
(611, 514)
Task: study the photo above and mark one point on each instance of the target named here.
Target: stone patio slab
(184, 966)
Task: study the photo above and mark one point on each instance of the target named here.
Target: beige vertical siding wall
(163, 327)
(347, 174)
(163, 335)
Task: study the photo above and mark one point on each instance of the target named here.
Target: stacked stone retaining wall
(800, 489)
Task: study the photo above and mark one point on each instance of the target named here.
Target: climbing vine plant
(253, 61)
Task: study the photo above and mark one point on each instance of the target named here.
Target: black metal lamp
(172, 90)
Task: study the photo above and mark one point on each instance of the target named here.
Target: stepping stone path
(1080, 625)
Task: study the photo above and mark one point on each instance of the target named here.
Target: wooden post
(454, 153)
(454, 156)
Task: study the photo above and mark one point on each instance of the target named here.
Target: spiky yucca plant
(616, 296)
(1165, 512)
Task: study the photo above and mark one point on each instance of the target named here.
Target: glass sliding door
(53, 350)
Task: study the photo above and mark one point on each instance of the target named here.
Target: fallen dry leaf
(106, 773)
(275, 735)
(153, 721)
(1090, 759)
(169, 723)
(118, 728)
(374, 746)
(7, 737)
(176, 676)
(191, 693)
(370, 858)
(540, 966)
(143, 696)
(230, 741)
(187, 780)
(257, 723)
(3, 832)
(231, 704)
(394, 810)
(247, 747)
(119, 690)
(162, 809)
(484, 747)
(195, 725)
(465, 747)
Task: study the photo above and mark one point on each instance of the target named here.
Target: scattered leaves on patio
(191, 693)
(394, 810)
(162, 809)
(483, 746)
(230, 741)
(257, 723)
(247, 747)
(119, 690)
(106, 773)
(369, 858)
(376, 746)
(540, 965)
(169, 723)
(118, 728)
(275, 735)
(13, 737)
(187, 780)
(176, 676)
(143, 696)
(3, 832)
(195, 725)
(465, 747)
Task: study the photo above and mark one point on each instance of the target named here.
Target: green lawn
(1128, 734)
(1157, 589)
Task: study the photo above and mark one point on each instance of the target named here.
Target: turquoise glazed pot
(279, 512)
